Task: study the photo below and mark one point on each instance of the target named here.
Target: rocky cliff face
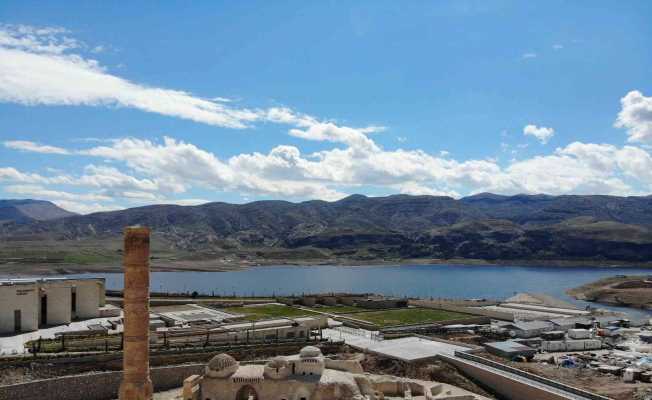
(484, 226)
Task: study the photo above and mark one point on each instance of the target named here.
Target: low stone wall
(95, 386)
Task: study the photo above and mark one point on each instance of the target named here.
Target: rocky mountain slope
(23, 211)
(484, 226)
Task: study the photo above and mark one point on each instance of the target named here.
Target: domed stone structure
(277, 368)
(278, 362)
(310, 362)
(303, 376)
(310, 352)
(222, 366)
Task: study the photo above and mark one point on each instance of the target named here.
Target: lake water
(447, 281)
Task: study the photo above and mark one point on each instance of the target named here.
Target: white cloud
(542, 134)
(416, 189)
(106, 177)
(34, 147)
(181, 165)
(38, 69)
(40, 192)
(529, 55)
(636, 116)
(356, 138)
(50, 40)
(557, 46)
(176, 167)
(54, 79)
(187, 202)
(86, 207)
(10, 174)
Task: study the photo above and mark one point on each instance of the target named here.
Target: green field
(256, 313)
(338, 309)
(407, 316)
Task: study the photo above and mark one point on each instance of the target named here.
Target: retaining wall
(95, 386)
(512, 388)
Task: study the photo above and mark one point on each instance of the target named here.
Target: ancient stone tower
(136, 383)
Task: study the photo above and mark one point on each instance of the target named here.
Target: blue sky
(107, 106)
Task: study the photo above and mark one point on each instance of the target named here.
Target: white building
(27, 304)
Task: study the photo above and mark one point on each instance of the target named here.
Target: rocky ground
(430, 371)
(587, 379)
(631, 291)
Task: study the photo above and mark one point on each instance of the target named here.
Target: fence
(109, 343)
(371, 335)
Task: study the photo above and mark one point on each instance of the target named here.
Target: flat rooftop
(194, 312)
(414, 349)
(509, 346)
(407, 349)
(30, 281)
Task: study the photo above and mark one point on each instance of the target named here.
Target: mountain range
(484, 226)
(28, 210)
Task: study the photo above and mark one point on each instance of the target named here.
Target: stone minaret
(136, 383)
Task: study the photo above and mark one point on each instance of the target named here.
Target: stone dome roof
(221, 361)
(310, 351)
(278, 362)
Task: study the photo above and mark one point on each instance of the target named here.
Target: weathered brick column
(136, 383)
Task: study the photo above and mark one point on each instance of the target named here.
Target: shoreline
(50, 269)
(608, 291)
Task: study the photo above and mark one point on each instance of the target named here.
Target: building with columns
(29, 304)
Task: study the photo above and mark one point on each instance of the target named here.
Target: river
(446, 281)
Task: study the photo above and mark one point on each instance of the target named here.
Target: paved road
(14, 344)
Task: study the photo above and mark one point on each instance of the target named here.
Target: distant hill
(28, 210)
(483, 226)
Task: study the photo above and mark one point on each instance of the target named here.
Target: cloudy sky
(105, 107)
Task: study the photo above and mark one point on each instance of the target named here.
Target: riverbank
(219, 265)
(625, 291)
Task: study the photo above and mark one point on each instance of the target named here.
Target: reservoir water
(446, 281)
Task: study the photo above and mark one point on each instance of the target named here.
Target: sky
(107, 105)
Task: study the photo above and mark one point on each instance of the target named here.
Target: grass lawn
(338, 309)
(256, 313)
(407, 316)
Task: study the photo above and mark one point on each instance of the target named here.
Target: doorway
(18, 321)
(246, 392)
(44, 310)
